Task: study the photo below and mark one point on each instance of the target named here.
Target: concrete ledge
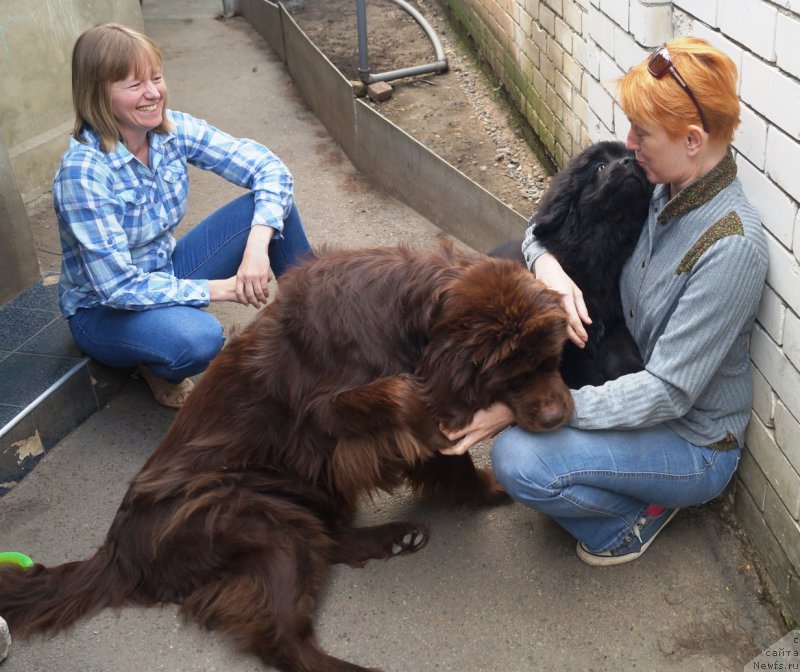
(66, 403)
(47, 386)
(265, 17)
(390, 157)
(424, 181)
(322, 86)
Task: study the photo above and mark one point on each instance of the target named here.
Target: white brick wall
(704, 10)
(782, 377)
(751, 137)
(772, 315)
(783, 160)
(779, 217)
(751, 23)
(787, 39)
(762, 85)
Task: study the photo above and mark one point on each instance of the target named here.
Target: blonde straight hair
(103, 55)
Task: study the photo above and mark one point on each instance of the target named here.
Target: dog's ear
(558, 202)
(494, 312)
(573, 187)
(529, 333)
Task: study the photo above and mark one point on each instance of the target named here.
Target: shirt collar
(702, 190)
(121, 155)
(158, 143)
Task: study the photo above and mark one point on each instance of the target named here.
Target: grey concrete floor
(495, 590)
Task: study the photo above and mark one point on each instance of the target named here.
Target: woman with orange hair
(640, 447)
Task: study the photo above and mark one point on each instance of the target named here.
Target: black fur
(590, 219)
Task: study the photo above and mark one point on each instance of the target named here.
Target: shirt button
(644, 263)
(630, 312)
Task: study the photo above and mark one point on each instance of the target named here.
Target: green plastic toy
(14, 558)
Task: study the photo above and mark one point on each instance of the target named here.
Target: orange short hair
(709, 73)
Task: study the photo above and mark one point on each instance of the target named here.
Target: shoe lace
(636, 530)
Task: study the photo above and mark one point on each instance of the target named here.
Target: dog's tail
(46, 600)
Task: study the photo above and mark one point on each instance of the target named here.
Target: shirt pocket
(173, 182)
(139, 219)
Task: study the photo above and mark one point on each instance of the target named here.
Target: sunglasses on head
(660, 64)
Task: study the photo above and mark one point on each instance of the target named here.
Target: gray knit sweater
(690, 293)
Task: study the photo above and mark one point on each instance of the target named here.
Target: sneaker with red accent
(637, 541)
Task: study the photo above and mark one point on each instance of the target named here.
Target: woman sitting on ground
(132, 294)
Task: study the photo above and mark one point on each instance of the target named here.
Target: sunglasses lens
(659, 63)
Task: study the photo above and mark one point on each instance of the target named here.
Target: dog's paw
(413, 540)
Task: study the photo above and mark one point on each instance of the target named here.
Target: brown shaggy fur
(336, 389)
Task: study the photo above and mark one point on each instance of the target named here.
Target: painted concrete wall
(19, 266)
(559, 60)
(36, 39)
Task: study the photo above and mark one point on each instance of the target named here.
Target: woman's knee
(517, 464)
(292, 248)
(196, 343)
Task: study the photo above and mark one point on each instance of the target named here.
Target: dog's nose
(552, 415)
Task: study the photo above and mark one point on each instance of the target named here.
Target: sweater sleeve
(713, 311)
(532, 249)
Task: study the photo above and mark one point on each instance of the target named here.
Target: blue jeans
(179, 341)
(597, 484)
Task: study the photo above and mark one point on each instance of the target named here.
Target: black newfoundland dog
(336, 389)
(590, 220)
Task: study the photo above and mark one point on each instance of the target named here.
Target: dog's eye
(601, 167)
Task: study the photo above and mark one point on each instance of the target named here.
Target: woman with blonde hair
(640, 447)
(132, 294)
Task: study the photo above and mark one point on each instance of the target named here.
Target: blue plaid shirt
(116, 216)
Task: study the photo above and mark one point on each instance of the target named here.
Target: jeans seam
(559, 481)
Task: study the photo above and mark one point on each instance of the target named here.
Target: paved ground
(498, 589)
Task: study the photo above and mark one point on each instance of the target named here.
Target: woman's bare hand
(254, 274)
(549, 271)
(485, 424)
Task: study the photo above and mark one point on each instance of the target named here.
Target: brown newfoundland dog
(336, 389)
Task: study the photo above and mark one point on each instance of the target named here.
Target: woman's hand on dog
(549, 271)
(485, 424)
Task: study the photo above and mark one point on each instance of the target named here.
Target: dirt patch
(459, 114)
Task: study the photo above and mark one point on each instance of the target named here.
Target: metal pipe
(363, 59)
(230, 8)
(439, 65)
